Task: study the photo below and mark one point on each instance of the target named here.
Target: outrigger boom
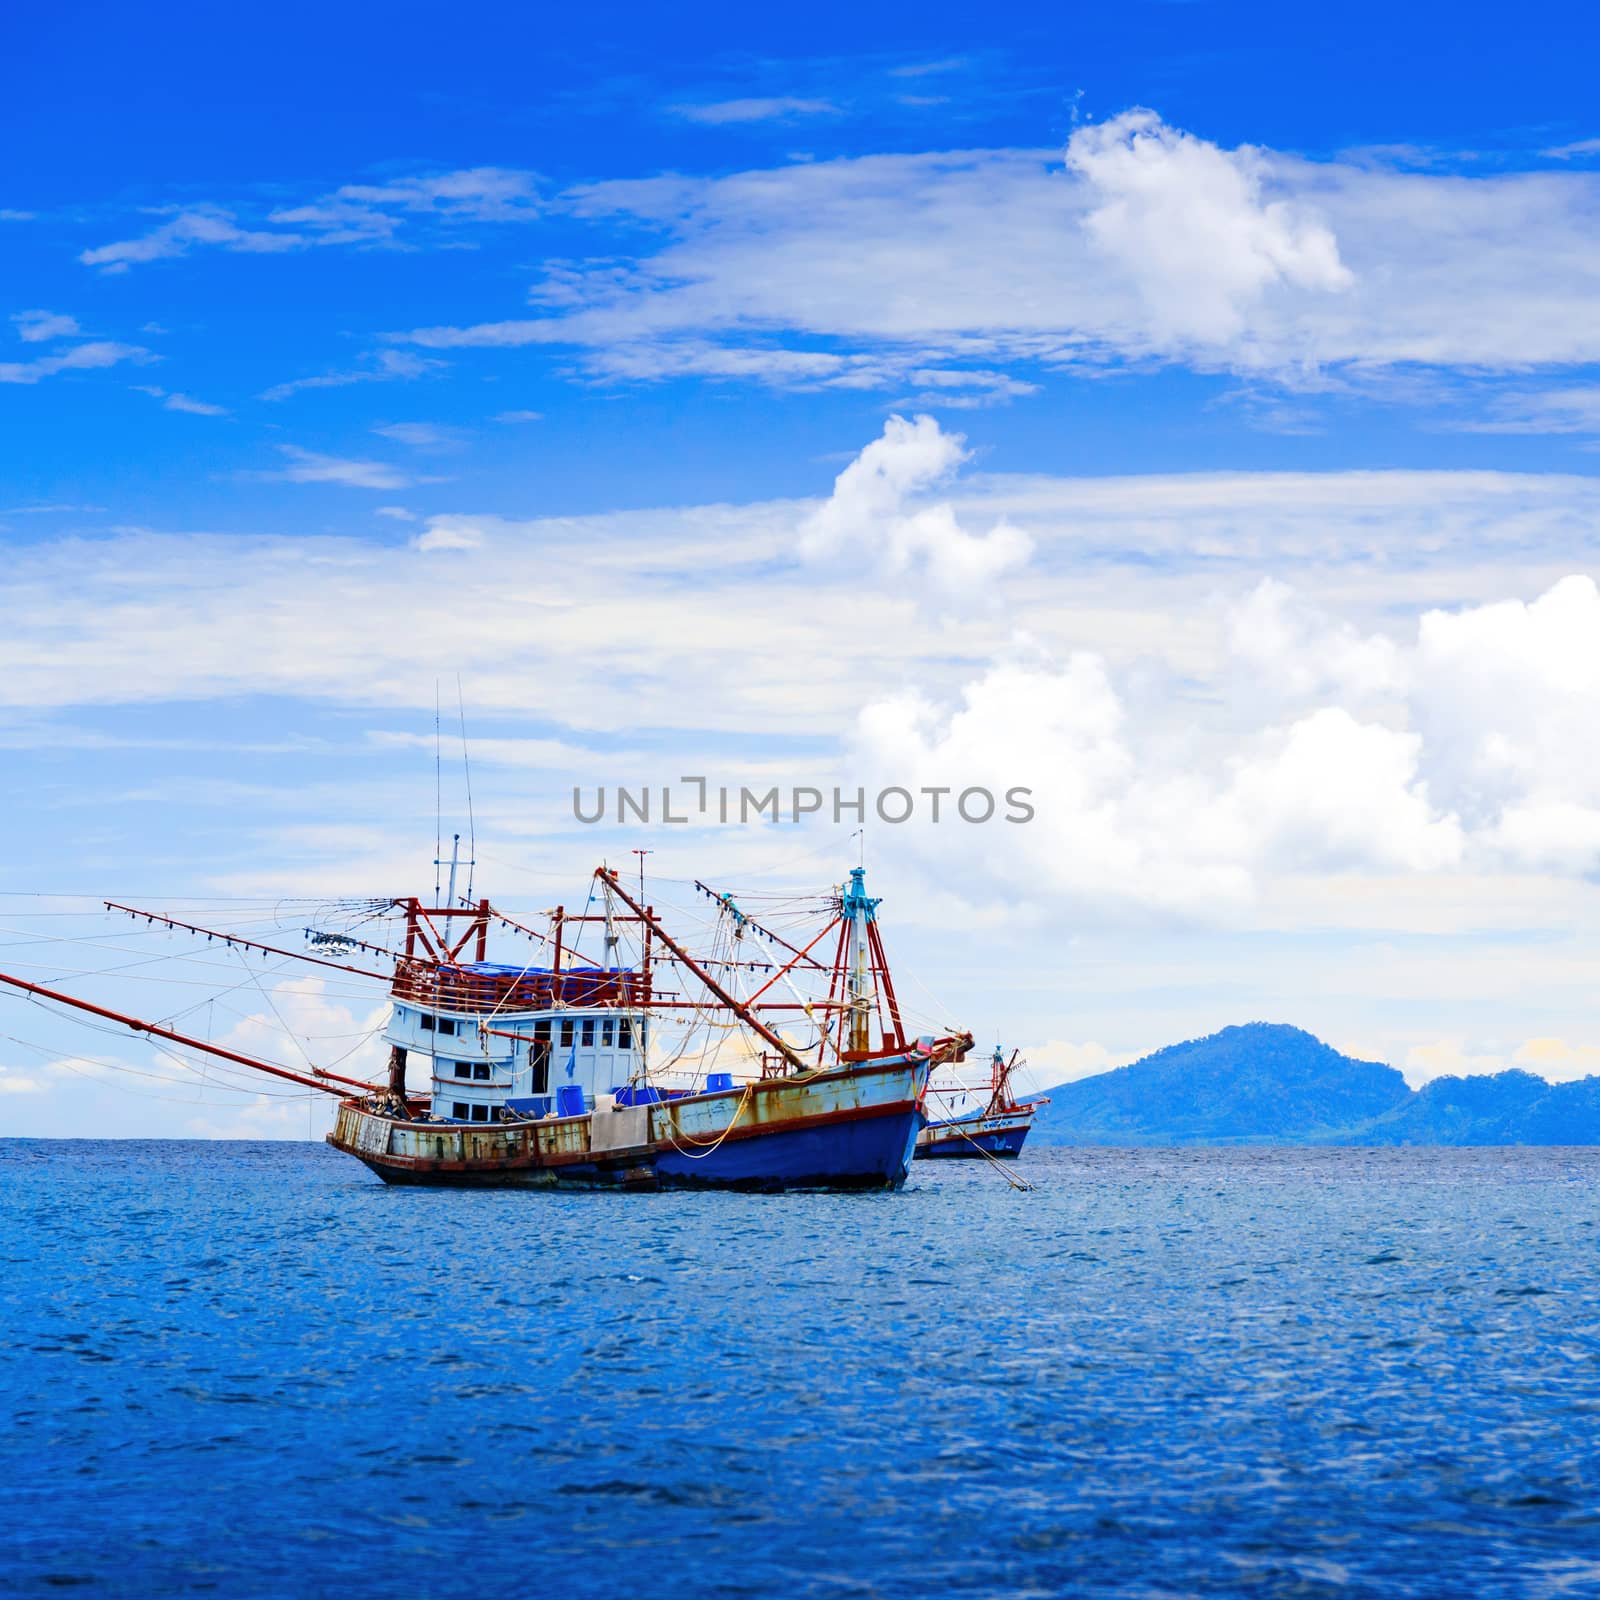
(323, 1082)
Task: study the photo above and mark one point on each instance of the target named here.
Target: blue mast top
(856, 898)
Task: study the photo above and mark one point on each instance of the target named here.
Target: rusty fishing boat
(998, 1127)
(556, 1073)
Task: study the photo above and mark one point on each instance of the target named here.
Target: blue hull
(872, 1152)
(1006, 1143)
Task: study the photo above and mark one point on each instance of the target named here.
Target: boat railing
(424, 983)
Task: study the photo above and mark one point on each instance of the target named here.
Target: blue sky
(1252, 523)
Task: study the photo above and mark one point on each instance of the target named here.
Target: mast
(134, 1024)
(739, 1009)
(858, 911)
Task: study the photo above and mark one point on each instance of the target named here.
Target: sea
(253, 1370)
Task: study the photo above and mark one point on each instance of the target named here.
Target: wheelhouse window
(425, 1021)
(588, 1031)
(625, 1034)
(463, 1069)
(541, 1030)
(480, 1071)
(459, 1111)
(447, 1024)
(608, 1031)
(480, 1113)
(566, 1030)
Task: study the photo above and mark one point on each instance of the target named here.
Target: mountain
(1266, 1083)
(1263, 1083)
(1507, 1108)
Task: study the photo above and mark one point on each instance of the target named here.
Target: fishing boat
(548, 1074)
(997, 1128)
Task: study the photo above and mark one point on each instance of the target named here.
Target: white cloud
(1187, 222)
(869, 516)
(428, 436)
(383, 366)
(1202, 744)
(1061, 1061)
(1573, 409)
(519, 416)
(1578, 147)
(197, 408)
(80, 358)
(181, 233)
(355, 214)
(36, 327)
(395, 513)
(1557, 1060)
(1508, 695)
(307, 466)
(1140, 242)
(181, 402)
(1122, 822)
(450, 533)
(1292, 650)
(780, 108)
(479, 194)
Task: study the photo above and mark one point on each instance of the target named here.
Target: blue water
(252, 1370)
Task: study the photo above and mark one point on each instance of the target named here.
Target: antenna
(438, 793)
(641, 855)
(466, 763)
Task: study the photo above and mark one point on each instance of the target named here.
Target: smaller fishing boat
(998, 1127)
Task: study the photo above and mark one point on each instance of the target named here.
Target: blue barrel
(718, 1080)
(569, 1101)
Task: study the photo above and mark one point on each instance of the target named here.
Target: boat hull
(849, 1129)
(975, 1138)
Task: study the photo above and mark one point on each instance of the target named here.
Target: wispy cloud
(925, 69)
(427, 436)
(82, 357)
(1137, 243)
(354, 214)
(1568, 152)
(519, 416)
(171, 401)
(181, 233)
(772, 109)
(38, 327)
(383, 366)
(307, 466)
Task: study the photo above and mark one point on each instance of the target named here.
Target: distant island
(1267, 1083)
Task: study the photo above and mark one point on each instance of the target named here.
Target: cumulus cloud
(1291, 649)
(1508, 696)
(1188, 223)
(1120, 822)
(871, 515)
(1198, 736)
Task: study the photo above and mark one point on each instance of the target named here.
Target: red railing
(422, 983)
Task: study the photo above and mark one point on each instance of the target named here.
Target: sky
(1186, 412)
